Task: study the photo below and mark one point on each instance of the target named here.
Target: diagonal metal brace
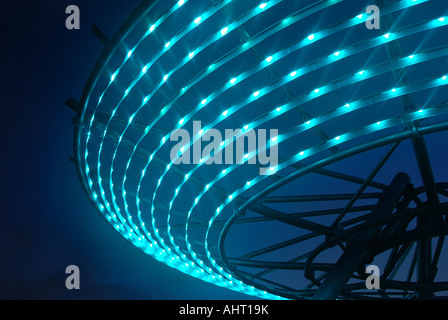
(358, 247)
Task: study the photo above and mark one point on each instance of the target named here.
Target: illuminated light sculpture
(242, 64)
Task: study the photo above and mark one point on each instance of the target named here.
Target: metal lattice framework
(344, 99)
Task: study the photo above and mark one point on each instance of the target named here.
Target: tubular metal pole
(358, 247)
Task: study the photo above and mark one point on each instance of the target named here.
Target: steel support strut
(357, 248)
(424, 164)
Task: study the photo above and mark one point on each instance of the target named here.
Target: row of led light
(285, 108)
(197, 21)
(172, 239)
(305, 126)
(87, 168)
(199, 107)
(260, 8)
(223, 60)
(373, 127)
(179, 252)
(114, 75)
(120, 140)
(147, 67)
(112, 183)
(190, 56)
(229, 280)
(421, 114)
(144, 70)
(145, 99)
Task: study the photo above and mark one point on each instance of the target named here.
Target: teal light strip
(148, 238)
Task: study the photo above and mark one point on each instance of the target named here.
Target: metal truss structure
(362, 120)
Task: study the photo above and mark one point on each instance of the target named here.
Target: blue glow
(224, 31)
(156, 245)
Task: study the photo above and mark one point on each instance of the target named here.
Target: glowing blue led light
(387, 35)
(256, 94)
(224, 31)
(167, 44)
(262, 6)
(197, 20)
(268, 59)
(311, 37)
(128, 228)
